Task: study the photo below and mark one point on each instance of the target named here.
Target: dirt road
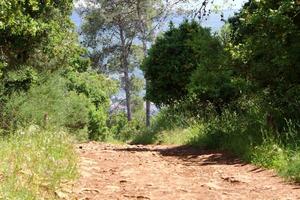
(172, 173)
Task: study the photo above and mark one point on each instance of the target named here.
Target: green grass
(178, 136)
(35, 163)
(292, 169)
(274, 155)
(241, 136)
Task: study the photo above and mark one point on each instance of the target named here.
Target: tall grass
(34, 163)
(245, 135)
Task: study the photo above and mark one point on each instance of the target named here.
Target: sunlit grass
(257, 146)
(34, 163)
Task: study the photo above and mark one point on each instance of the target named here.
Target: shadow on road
(188, 155)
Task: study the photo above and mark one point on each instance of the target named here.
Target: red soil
(172, 173)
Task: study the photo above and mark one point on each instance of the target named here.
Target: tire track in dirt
(172, 173)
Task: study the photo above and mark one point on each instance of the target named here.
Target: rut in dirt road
(172, 173)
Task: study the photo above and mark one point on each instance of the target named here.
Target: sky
(227, 7)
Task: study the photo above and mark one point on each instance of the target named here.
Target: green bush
(170, 118)
(76, 109)
(122, 130)
(52, 102)
(144, 138)
(48, 104)
(97, 127)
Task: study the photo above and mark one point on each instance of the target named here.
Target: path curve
(172, 173)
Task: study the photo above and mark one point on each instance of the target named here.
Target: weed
(34, 163)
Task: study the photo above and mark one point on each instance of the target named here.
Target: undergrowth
(34, 164)
(246, 136)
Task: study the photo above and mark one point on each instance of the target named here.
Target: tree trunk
(148, 105)
(124, 64)
(127, 93)
(144, 41)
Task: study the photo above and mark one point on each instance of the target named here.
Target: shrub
(52, 102)
(122, 130)
(170, 118)
(97, 128)
(292, 168)
(48, 104)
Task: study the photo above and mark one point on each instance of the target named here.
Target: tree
(145, 30)
(109, 31)
(44, 77)
(26, 33)
(265, 47)
(151, 15)
(139, 19)
(177, 59)
(27, 28)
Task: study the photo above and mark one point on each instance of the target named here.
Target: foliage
(24, 24)
(45, 78)
(169, 118)
(96, 87)
(48, 100)
(62, 103)
(215, 87)
(30, 160)
(97, 124)
(121, 130)
(28, 29)
(291, 168)
(173, 59)
(265, 49)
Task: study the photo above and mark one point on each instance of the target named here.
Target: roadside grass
(34, 163)
(177, 136)
(249, 141)
(274, 155)
(261, 147)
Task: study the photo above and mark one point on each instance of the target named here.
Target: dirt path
(172, 173)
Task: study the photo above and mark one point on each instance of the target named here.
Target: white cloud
(186, 4)
(220, 5)
(78, 4)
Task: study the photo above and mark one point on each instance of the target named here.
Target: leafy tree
(212, 86)
(265, 47)
(109, 31)
(114, 29)
(45, 79)
(150, 16)
(26, 26)
(98, 89)
(177, 61)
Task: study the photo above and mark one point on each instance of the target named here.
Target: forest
(129, 75)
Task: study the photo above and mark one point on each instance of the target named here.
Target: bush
(123, 131)
(292, 168)
(53, 103)
(97, 128)
(170, 118)
(48, 104)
